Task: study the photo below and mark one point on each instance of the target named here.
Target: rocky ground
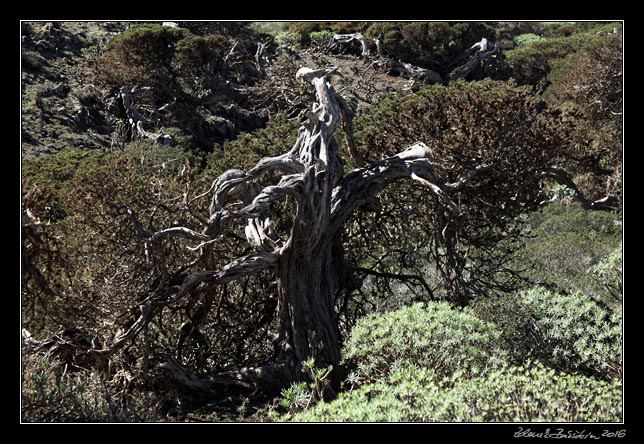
(61, 108)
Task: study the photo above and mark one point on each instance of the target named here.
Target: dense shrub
(248, 148)
(141, 56)
(434, 336)
(199, 74)
(54, 392)
(606, 277)
(577, 333)
(435, 45)
(466, 124)
(588, 83)
(100, 273)
(564, 241)
(524, 39)
(519, 336)
(304, 31)
(515, 394)
(531, 62)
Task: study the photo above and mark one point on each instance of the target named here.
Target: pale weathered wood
(137, 121)
(347, 38)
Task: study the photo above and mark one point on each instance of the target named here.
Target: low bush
(577, 333)
(563, 242)
(532, 61)
(515, 394)
(570, 333)
(434, 336)
(54, 392)
(606, 277)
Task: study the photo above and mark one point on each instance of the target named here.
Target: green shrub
(532, 394)
(532, 61)
(448, 119)
(519, 336)
(321, 39)
(246, 149)
(577, 333)
(296, 397)
(564, 241)
(287, 39)
(434, 336)
(570, 333)
(302, 30)
(606, 276)
(433, 45)
(52, 392)
(588, 85)
(525, 39)
(272, 28)
(401, 396)
(515, 394)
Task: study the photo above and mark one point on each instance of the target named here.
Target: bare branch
(608, 203)
(347, 38)
(348, 131)
(483, 53)
(238, 268)
(399, 276)
(466, 178)
(357, 187)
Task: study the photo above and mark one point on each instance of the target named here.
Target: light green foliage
(577, 332)
(515, 394)
(607, 274)
(321, 39)
(398, 397)
(296, 397)
(287, 39)
(272, 28)
(434, 336)
(525, 39)
(563, 242)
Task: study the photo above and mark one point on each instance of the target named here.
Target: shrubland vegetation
(492, 294)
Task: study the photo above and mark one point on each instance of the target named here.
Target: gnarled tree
(303, 259)
(295, 212)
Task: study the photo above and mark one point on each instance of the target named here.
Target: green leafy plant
(514, 394)
(562, 242)
(526, 39)
(435, 336)
(321, 39)
(606, 275)
(578, 333)
(296, 397)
